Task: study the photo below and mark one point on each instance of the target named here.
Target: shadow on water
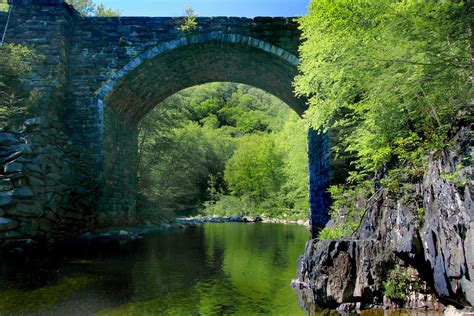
(212, 269)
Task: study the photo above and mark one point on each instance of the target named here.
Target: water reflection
(214, 269)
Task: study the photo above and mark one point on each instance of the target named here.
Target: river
(210, 269)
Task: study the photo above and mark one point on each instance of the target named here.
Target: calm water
(214, 269)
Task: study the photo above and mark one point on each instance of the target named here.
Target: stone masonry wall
(44, 28)
(44, 195)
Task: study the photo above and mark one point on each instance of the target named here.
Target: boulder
(236, 218)
(215, 220)
(33, 122)
(123, 234)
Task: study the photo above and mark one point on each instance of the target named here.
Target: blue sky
(242, 8)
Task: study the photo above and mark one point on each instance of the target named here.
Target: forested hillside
(223, 149)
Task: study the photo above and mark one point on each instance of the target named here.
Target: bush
(189, 22)
(16, 99)
(229, 205)
(399, 284)
(344, 211)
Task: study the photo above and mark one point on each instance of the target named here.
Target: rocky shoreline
(136, 233)
(240, 219)
(422, 239)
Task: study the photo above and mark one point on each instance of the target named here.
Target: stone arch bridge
(102, 75)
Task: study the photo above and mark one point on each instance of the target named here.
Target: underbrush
(229, 205)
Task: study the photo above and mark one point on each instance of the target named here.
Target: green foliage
(399, 284)
(334, 232)
(229, 148)
(90, 8)
(396, 73)
(189, 22)
(456, 177)
(420, 216)
(229, 205)
(256, 168)
(345, 211)
(16, 100)
(4, 5)
(101, 10)
(392, 77)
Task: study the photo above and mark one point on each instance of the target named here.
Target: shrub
(16, 99)
(189, 22)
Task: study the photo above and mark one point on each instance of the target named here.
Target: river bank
(240, 219)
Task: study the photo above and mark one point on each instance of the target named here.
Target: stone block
(7, 224)
(25, 210)
(7, 139)
(33, 167)
(34, 181)
(5, 200)
(13, 167)
(11, 234)
(11, 157)
(23, 192)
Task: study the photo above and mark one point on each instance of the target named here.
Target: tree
(292, 142)
(16, 99)
(393, 77)
(3, 6)
(188, 141)
(394, 74)
(256, 168)
(101, 10)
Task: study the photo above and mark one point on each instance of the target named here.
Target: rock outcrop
(42, 187)
(430, 229)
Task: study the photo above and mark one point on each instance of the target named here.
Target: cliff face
(430, 232)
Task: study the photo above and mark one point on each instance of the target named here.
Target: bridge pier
(319, 171)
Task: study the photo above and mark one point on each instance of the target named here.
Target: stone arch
(214, 41)
(164, 70)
